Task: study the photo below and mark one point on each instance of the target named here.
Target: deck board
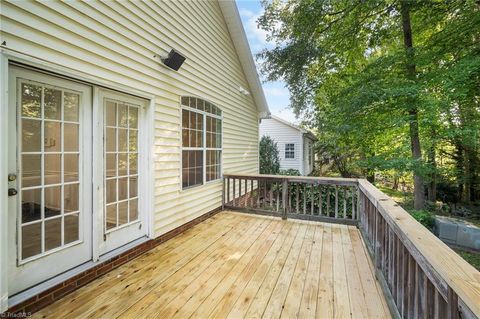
(237, 265)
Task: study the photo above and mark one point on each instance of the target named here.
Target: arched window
(201, 141)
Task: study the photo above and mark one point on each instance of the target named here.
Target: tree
(381, 81)
(269, 158)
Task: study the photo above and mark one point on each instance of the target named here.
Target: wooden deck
(236, 265)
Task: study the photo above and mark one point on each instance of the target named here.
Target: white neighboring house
(295, 144)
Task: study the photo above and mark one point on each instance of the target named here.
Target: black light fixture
(174, 60)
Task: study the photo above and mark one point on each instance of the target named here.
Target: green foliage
(269, 158)
(345, 65)
(289, 172)
(424, 217)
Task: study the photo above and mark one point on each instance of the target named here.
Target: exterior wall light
(174, 60)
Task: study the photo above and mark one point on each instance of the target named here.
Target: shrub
(269, 158)
(289, 172)
(424, 217)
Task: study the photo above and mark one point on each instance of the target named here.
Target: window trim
(285, 152)
(204, 147)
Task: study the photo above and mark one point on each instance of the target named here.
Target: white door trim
(3, 184)
(25, 273)
(7, 56)
(105, 245)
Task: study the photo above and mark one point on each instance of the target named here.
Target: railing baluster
(344, 203)
(278, 196)
(304, 199)
(252, 197)
(336, 201)
(411, 286)
(296, 199)
(312, 199)
(234, 193)
(264, 194)
(240, 196)
(284, 198)
(452, 305)
(353, 202)
(228, 190)
(320, 200)
(271, 195)
(328, 202)
(259, 186)
(404, 281)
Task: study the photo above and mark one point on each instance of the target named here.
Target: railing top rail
(299, 179)
(436, 255)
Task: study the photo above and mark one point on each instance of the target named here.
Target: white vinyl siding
(284, 134)
(121, 42)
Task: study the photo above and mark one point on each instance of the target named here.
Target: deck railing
(421, 276)
(312, 198)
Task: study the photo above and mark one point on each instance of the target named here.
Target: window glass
(121, 157)
(201, 141)
(50, 164)
(289, 150)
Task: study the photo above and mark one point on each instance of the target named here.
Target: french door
(119, 135)
(50, 220)
(74, 175)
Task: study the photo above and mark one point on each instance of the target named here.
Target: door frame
(101, 246)
(7, 56)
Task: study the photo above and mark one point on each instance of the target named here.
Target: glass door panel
(121, 156)
(50, 182)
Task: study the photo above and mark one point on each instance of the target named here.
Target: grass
(404, 199)
(472, 258)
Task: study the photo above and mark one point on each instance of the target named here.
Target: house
(106, 147)
(133, 173)
(295, 144)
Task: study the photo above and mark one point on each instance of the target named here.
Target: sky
(276, 93)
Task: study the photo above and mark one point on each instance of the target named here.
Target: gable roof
(237, 33)
(302, 130)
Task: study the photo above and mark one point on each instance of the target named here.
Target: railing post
(284, 198)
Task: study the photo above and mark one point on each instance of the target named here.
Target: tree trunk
(419, 193)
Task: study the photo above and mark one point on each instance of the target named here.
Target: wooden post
(284, 198)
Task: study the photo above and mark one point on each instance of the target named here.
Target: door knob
(12, 192)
